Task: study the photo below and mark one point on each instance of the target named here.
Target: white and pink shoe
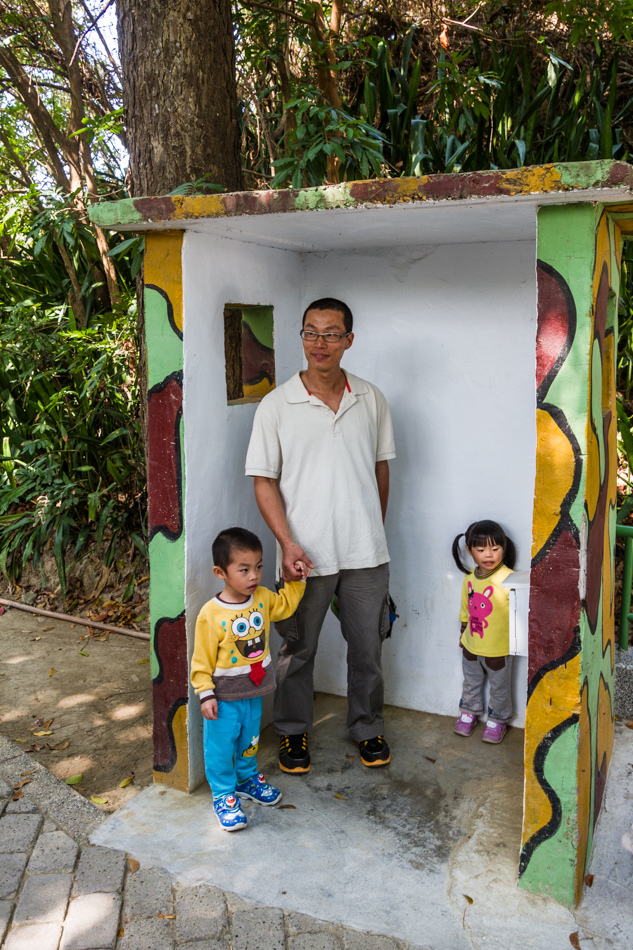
(494, 731)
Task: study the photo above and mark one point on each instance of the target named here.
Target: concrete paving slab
(18, 832)
(201, 913)
(11, 868)
(43, 899)
(6, 909)
(395, 851)
(147, 934)
(34, 937)
(147, 894)
(259, 929)
(99, 870)
(54, 851)
(320, 941)
(92, 922)
(67, 808)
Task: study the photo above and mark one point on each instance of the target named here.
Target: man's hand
(210, 708)
(290, 569)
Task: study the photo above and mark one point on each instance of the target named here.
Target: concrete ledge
(623, 698)
(76, 816)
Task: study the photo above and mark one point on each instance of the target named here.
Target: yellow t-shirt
(231, 653)
(485, 610)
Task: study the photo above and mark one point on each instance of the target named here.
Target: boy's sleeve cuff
(206, 694)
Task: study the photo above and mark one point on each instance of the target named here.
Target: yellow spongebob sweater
(231, 654)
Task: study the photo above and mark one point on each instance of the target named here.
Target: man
(319, 456)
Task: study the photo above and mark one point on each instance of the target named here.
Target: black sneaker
(293, 753)
(374, 752)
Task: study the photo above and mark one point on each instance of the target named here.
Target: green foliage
(323, 132)
(68, 404)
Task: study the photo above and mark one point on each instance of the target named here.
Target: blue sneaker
(258, 789)
(229, 812)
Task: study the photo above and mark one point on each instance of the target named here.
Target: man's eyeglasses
(311, 336)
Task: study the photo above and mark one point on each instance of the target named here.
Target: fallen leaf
(167, 916)
(83, 653)
(25, 781)
(58, 748)
(287, 806)
(35, 639)
(21, 740)
(2, 609)
(101, 639)
(32, 772)
(574, 941)
(629, 725)
(126, 781)
(45, 732)
(429, 758)
(18, 795)
(35, 748)
(340, 796)
(349, 756)
(144, 661)
(52, 671)
(47, 724)
(74, 779)
(121, 932)
(589, 880)
(133, 865)
(98, 801)
(38, 722)
(469, 899)
(101, 617)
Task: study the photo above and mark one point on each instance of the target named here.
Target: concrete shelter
(485, 308)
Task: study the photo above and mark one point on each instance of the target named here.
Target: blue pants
(230, 744)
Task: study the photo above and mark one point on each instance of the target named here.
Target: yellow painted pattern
(163, 266)
(198, 206)
(556, 697)
(527, 181)
(555, 466)
(179, 775)
(585, 782)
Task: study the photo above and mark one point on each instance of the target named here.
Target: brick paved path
(58, 892)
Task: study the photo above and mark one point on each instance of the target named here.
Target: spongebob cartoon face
(249, 635)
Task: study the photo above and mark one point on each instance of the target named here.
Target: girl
(485, 636)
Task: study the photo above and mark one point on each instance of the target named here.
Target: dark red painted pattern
(165, 477)
(169, 690)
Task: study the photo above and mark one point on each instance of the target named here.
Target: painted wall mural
(163, 325)
(569, 718)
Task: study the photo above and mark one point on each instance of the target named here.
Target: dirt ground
(97, 706)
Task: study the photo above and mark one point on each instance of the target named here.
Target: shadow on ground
(96, 695)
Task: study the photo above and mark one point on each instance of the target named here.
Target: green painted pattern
(551, 869)
(164, 347)
(112, 214)
(260, 321)
(167, 591)
(327, 196)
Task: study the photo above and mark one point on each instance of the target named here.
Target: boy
(231, 670)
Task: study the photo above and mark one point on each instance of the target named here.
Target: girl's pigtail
(510, 553)
(457, 554)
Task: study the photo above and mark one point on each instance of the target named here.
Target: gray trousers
(498, 669)
(362, 598)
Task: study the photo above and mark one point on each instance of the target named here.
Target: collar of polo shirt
(295, 391)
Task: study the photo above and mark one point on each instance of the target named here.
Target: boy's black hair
(478, 533)
(331, 303)
(231, 540)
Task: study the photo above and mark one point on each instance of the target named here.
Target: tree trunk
(178, 62)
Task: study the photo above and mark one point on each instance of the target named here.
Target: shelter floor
(425, 850)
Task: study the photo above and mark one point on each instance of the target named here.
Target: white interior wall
(448, 334)
(217, 493)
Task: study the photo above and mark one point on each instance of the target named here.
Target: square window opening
(249, 352)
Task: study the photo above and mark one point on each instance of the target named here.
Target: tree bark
(178, 63)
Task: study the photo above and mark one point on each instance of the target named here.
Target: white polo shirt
(326, 466)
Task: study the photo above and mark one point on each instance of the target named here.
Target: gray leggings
(498, 669)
